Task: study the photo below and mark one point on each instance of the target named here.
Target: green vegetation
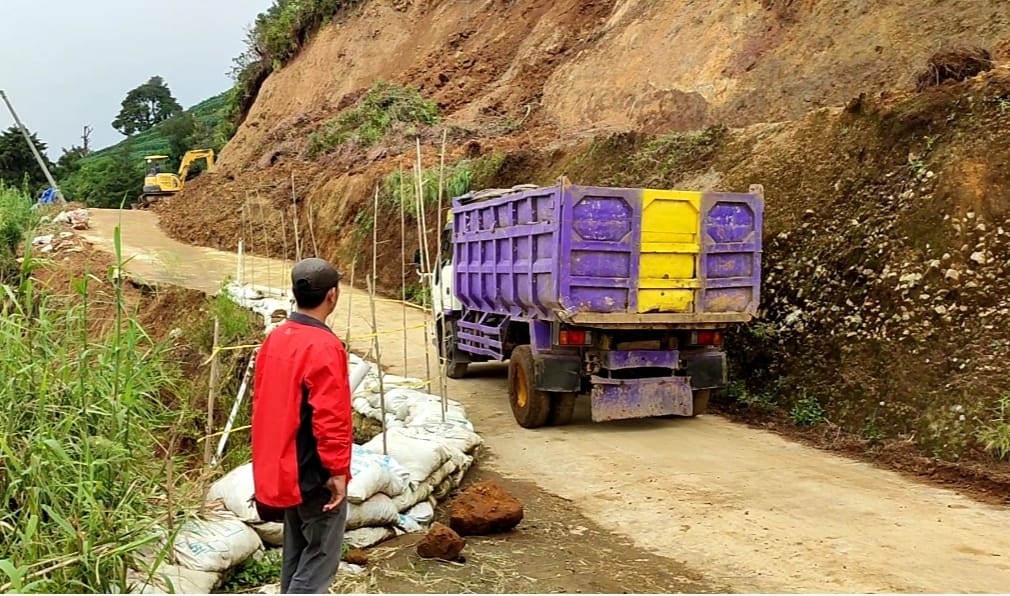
(259, 570)
(95, 427)
(16, 218)
(145, 106)
(17, 163)
(807, 411)
(384, 108)
(76, 414)
(994, 435)
(458, 179)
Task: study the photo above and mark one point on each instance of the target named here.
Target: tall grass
(82, 475)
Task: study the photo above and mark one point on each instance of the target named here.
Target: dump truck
(619, 293)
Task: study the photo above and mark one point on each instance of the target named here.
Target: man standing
(302, 433)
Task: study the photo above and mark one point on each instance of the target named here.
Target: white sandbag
(408, 525)
(372, 473)
(215, 544)
(366, 537)
(379, 510)
(235, 490)
(271, 533)
(423, 513)
(438, 476)
(415, 493)
(170, 579)
(447, 433)
(419, 457)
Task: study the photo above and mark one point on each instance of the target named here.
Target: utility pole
(86, 137)
(28, 139)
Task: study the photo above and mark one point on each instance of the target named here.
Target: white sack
(366, 537)
(215, 544)
(235, 490)
(372, 473)
(271, 533)
(170, 579)
(449, 434)
(422, 513)
(419, 457)
(414, 494)
(379, 510)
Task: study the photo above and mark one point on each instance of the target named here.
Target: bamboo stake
(425, 262)
(266, 240)
(234, 409)
(350, 297)
(444, 352)
(312, 230)
(372, 282)
(294, 216)
(215, 373)
(403, 268)
(378, 362)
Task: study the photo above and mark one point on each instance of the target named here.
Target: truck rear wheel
(456, 370)
(700, 399)
(530, 406)
(562, 408)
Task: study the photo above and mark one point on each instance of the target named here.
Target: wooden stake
(215, 373)
(403, 269)
(439, 225)
(378, 361)
(350, 297)
(294, 215)
(312, 230)
(425, 263)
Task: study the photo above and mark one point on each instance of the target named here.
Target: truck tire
(530, 406)
(562, 408)
(700, 399)
(456, 370)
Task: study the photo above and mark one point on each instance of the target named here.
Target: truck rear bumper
(620, 399)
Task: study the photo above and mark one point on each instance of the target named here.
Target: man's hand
(337, 485)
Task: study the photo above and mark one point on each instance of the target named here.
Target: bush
(81, 491)
(994, 435)
(16, 219)
(384, 107)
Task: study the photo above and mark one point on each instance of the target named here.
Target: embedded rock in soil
(485, 508)
(441, 542)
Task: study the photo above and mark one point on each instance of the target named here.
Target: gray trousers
(313, 541)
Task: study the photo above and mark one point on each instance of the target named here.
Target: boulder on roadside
(441, 542)
(485, 508)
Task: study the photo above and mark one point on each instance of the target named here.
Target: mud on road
(738, 508)
(555, 549)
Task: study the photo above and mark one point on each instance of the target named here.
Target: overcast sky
(67, 63)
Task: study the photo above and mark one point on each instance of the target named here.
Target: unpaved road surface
(741, 508)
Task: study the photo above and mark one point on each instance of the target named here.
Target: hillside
(108, 176)
(886, 223)
(208, 112)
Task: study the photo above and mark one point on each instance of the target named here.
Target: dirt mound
(955, 64)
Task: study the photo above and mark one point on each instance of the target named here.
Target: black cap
(314, 275)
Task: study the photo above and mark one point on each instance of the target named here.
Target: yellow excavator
(160, 183)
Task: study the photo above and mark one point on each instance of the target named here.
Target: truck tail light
(706, 338)
(574, 337)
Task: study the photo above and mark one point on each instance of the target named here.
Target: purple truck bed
(611, 257)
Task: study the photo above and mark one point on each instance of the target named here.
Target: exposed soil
(555, 549)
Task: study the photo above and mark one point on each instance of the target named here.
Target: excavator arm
(190, 157)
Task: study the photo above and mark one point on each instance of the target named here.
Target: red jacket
(301, 412)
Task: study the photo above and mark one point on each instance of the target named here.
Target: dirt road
(744, 508)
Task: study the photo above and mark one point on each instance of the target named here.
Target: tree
(146, 106)
(17, 161)
(178, 130)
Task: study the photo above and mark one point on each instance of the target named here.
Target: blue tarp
(48, 196)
